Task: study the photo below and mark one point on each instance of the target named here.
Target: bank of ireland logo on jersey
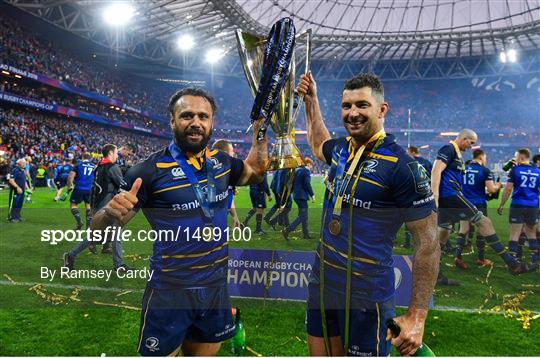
(152, 344)
(178, 173)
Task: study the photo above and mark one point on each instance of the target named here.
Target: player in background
(301, 192)
(81, 179)
(415, 153)
(226, 147)
(476, 180)
(258, 193)
(447, 184)
(17, 185)
(524, 187)
(125, 152)
(61, 179)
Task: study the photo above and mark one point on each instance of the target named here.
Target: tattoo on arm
(427, 253)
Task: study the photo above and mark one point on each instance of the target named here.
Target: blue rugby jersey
(526, 179)
(452, 175)
(169, 203)
(63, 171)
(474, 183)
(393, 188)
(84, 175)
(261, 188)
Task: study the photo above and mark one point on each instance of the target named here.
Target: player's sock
(472, 231)
(513, 248)
(481, 246)
(535, 250)
(460, 242)
(521, 241)
(88, 217)
(77, 215)
(248, 216)
(258, 219)
(498, 247)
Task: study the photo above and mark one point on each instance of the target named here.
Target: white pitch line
(115, 289)
(71, 287)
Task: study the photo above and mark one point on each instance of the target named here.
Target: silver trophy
(284, 154)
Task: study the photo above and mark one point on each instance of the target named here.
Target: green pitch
(91, 317)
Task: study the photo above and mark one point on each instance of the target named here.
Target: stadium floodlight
(185, 42)
(502, 56)
(511, 55)
(118, 14)
(449, 134)
(213, 55)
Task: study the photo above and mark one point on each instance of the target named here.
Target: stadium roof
(344, 30)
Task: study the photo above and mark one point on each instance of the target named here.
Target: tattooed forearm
(256, 161)
(427, 253)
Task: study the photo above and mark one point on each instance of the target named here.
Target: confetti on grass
(9, 278)
(117, 305)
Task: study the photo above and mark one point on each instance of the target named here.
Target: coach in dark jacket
(302, 192)
(107, 180)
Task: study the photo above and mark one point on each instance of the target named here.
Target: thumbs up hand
(122, 204)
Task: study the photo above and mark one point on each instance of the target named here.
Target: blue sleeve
(144, 170)
(511, 175)
(412, 191)
(488, 174)
(327, 149)
(446, 154)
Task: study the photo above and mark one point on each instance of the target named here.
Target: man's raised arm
(257, 159)
(317, 133)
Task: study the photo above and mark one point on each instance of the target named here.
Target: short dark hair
(221, 144)
(477, 153)
(107, 148)
(191, 91)
(129, 146)
(536, 158)
(525, 151)
(413, 150)
(366, 80)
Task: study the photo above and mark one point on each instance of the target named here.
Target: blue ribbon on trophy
(277, 59)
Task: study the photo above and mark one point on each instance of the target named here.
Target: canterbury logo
(177, 172)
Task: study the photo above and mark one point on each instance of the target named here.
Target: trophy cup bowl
(283, 154)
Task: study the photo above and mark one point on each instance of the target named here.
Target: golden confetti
(300, 339)
(433, 334)
(117, 305)
(252, 351)
(123, 293)
(9, 278)
(513, 309)
(53, 298)
(86, 315)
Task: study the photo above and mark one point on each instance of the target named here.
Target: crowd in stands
(21, 48)
(42, 93)
(45, 137)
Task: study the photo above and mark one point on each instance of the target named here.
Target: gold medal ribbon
(379, 136)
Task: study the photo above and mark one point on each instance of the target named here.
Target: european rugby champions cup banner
(284, 275)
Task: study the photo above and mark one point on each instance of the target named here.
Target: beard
(189, 145)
